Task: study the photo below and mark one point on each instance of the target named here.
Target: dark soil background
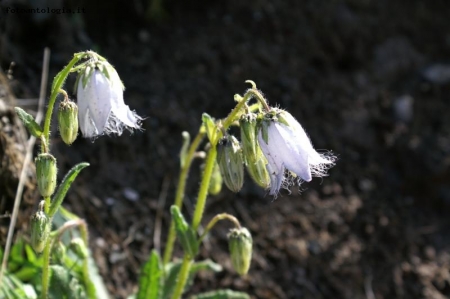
(369, 80)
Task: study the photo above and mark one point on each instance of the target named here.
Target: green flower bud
(240, 244)
(254, 158)
(40, 229)
(215, 185)
(46, 174)
(231, 164)
(59, 251)
(68, 121)
(78, 247)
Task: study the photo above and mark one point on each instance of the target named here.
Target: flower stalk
(207, 173)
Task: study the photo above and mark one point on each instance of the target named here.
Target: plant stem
(182, 277)
(90, 288)
(217, 218)
(46, 268)
(204, 185)
(198, 213)
(203, 193)
(180, 194)
(235, 112)
(55, 91)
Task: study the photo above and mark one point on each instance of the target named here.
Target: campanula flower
(101, 108)
(287, 147)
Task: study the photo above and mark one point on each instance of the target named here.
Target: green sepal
(64, 187)
(185, 233)
(210, 126)
(32, 126)
(264, 130)
(150, 279)
(221, 294)
(282, 120)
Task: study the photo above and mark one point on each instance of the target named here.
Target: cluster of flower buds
(276, 152)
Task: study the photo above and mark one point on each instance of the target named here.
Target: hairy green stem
(204, 185)
(90, 288)
(180, 193)
(198, 213)
(46, 268)
(203, 192)
(55, 91)
(182, 277)
(217, 218)
(232, 117)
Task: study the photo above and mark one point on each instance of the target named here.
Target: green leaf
(206, 265)
(13, 288)
(64, 187)
(63, 285)
(16, 258)
(32, 126)
(221, 294)
(185, 233)
(150, 278)
(171, 275)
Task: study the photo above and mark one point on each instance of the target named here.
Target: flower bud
(240, 245)
(59, 251)
(40, 229)
(68, 121)
(231, 164)
(254, 158)
(78, 247)
(46, 174)
(215, 184)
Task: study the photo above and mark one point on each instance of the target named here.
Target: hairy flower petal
(275, 163)
(287, 146)
(102, 109)
(295, 158)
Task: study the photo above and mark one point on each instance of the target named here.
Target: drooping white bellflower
(101, 108)
(286, 146)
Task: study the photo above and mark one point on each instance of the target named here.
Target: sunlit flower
(286, 146)
(101, 108)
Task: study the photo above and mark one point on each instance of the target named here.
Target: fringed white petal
(102, 109)
(295, 158)
(275, 163)
(100, 104)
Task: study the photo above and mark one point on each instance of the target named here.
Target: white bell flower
(286, 146)
(101, 108)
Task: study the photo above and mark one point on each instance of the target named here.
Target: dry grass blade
(30, 145)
